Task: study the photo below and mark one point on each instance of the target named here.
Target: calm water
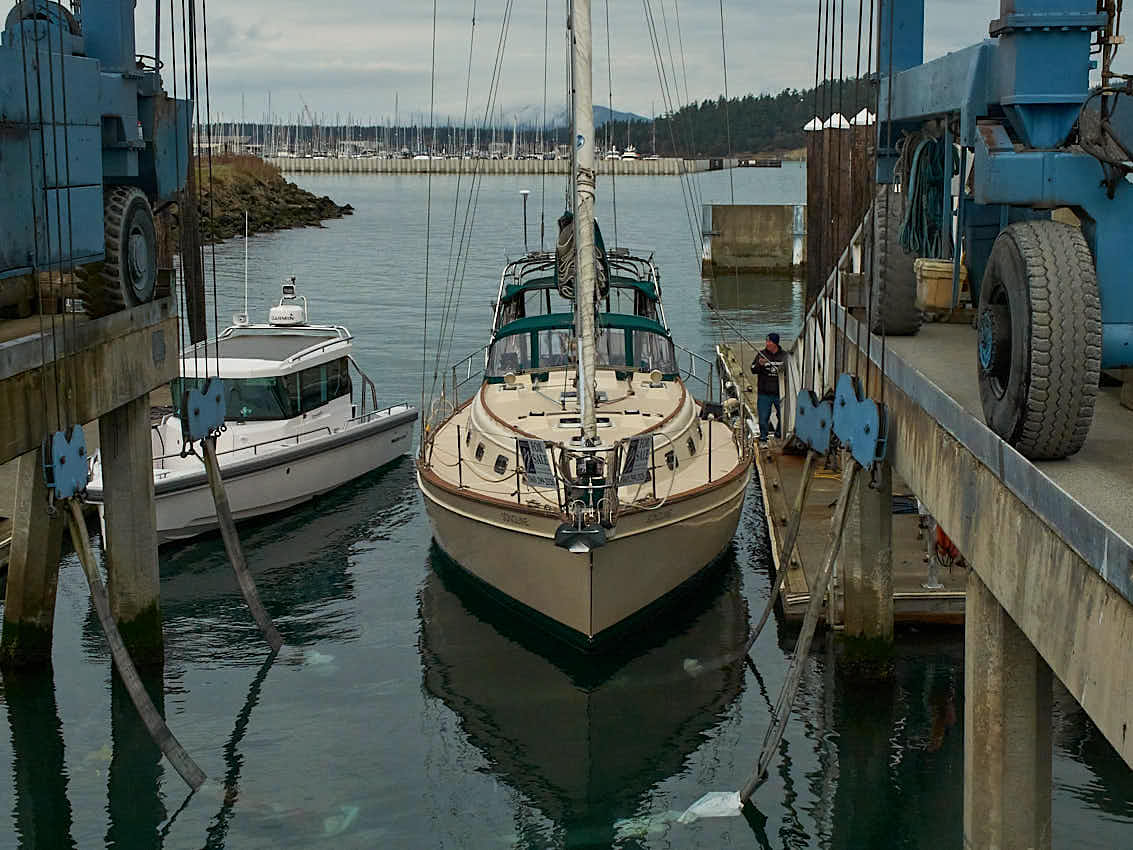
(420, 718)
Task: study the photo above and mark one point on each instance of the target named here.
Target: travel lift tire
(893, 295)
(128, 275)
(1040, 339)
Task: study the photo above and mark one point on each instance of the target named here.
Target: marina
(572, 596)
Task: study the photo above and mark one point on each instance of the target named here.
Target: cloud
(358, 56)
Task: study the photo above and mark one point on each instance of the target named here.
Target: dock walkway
(780, 475)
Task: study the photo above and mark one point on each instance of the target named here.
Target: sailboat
(581, 482)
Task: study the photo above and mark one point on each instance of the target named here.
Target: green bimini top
(558, 321)
(548, 282)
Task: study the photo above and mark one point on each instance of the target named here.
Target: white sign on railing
(536, 467)
(636, 467)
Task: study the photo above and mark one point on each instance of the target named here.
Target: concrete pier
(753, 237)
(867, 548)
(33, 570)
(1048, 544)
(1007, 744)
(131, 542)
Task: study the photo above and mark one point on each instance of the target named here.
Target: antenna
(525, 193)
(245, 262)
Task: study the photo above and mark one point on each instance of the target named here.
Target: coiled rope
(924, 233)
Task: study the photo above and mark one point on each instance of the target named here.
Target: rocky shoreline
(247, 183)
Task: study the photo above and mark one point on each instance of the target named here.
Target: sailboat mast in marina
(566, 467)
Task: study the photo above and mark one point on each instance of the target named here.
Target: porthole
(671, 460)
(691, 446)
(500, 466)
(479, 451)
(468, 437)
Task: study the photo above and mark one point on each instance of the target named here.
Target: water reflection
(301, 561)
(754, 303)
(134, 803)
(41, 812)
(584, 738)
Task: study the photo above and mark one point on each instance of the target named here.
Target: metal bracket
(860, 423)
(65, 463)
(813, 421)
(203, 411)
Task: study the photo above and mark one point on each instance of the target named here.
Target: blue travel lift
(1054, 301)
(90, 144)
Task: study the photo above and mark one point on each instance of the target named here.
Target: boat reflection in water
(583, 737)
(301, 562)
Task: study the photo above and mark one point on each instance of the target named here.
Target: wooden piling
(134, 583)
(815, 198)
(33, 570)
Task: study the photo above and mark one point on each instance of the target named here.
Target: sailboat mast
(586, 273)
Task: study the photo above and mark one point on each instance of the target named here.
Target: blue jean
(764, 403)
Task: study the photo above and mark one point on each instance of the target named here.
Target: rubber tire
(893, 294)
(1043, 272)
(117, 283)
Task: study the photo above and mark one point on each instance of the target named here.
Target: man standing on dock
(765, 367)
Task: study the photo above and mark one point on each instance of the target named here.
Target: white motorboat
(301, 419)
(630, 153)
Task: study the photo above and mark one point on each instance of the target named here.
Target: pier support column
(33, 570)
(1007, 743)
(867, 551)
(131, 520)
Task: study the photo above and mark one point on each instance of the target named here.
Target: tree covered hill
(759, 123)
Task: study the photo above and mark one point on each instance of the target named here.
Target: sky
(358, 57)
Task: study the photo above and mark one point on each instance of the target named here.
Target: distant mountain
(602, 114)
(532, 116)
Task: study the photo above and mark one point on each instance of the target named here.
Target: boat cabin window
(624, 347)
(654, 351)
(510, 354)
(277, 396)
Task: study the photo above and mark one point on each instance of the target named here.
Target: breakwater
(670, 166)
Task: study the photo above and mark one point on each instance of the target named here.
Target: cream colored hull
(648, 554)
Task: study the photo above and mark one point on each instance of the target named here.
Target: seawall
(668, 166)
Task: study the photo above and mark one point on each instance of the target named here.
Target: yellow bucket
(934, 283)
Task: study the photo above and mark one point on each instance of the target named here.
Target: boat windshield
(547, 349)
(277, 396)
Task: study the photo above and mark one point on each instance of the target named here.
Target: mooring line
(233, 548)
(787, 548)
(162, 735)
(802, 648)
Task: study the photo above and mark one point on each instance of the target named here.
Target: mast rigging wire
(429, 215)
(609, 121)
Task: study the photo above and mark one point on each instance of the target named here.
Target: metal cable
(429, 214)
(543, 152)
(212, 214)
(610, 119)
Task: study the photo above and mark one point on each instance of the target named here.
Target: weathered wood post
(868, 560)
(33, 570)
(815, 198)
(131, 520)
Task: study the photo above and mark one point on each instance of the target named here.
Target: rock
(233, 185)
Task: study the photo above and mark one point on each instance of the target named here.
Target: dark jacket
(768, 378)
